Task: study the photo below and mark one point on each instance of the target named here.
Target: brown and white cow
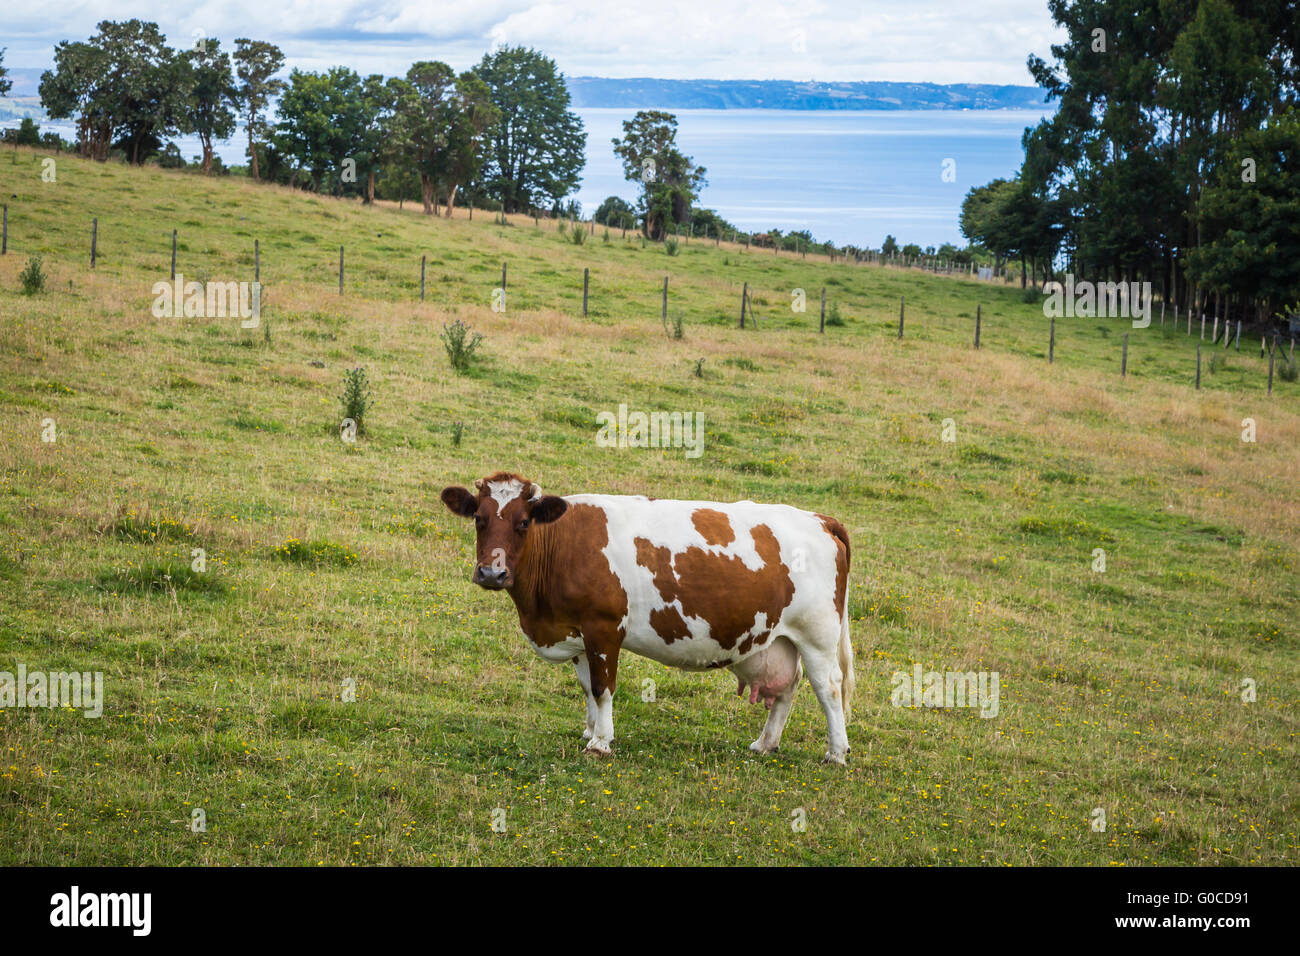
(760, 589)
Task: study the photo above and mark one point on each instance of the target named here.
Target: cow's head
(504, 508)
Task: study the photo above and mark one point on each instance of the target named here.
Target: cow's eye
(522, 526)
(478, 521)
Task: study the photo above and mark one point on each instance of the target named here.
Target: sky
(938, 41)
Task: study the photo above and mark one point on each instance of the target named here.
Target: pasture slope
(224, 690)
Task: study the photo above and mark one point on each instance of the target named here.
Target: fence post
(821, 327)
(173, 255)
(1238, 342)
(1162, 313)
(902, 301)
(257, 261)
(503, 277)
(1051, 343)
(586, 273)
(744, 295)
(94, 241)
(423, 259)
(1198, 361)
(1123, 362)
(340, 270)
(664, 315)
(4, 242)
(977, 326)
(1214, 339)
(1272, 353)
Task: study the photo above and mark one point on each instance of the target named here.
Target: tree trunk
(426, 193)
(207, 154)
(370, 187)
(451, 199)
(252, 151)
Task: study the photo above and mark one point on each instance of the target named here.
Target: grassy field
(330, 562)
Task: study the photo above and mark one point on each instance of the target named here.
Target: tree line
(1171, 158)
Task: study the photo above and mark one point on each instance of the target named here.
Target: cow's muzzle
(494, 579)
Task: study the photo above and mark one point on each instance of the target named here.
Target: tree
(208, 107)
(323, 126)
(889, 247)
(475, 115)
(670, 180)
(256, 63)
(6, 84)
(124, 85)
(537, 145)
(614, 212)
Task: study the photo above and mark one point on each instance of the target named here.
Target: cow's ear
(547, 509)
(459, 501)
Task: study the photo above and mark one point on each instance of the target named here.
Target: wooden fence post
(1238, 343)
(1162, 313)
(257, 261)
(902, 301)
(821, 327)
(94, 240)
(1272, 353)
(1198, 362)
(503, 277)
(340, 270)
(1123, 362)
(744, 295)
(977, 326)
(4, 242)
(1051, 343)
(173, 254)
(586, 274)
(423, 260)
(664, 315)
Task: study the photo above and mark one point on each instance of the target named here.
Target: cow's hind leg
(770, 739)
(584, 678)
(823, 668)
(601, 646)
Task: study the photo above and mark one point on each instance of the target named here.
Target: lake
(847, 176)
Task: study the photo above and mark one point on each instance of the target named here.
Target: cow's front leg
(584, 678)
(602, 666)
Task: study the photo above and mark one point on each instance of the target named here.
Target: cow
(760, 589)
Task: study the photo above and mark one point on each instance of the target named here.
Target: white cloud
(918, 40)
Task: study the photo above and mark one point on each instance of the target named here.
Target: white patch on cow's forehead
(504, 492)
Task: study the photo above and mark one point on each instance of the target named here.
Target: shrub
(315, 553)
(1289, 371)
(699, 368)
(356, 397)
(605, 237)
(460, 343)
(457, 432)
(676, 328)
(561, 226)
(577, 235)
(33, 276)
(670, 245)
(833, 316)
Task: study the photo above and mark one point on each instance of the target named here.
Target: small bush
(1029, 295)
(577, 235)
(699, 368)
(670, 245)
(33, 276)
(605, 237)
(1289, 372)
(833, 316)
(356, 397)
(457, 432)
(676, 327)
(561, 226)
(460, 343)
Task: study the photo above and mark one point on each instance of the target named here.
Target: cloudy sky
(915, 40)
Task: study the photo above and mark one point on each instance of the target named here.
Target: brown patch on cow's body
(720, 589)
(713, 526)
(842, 554)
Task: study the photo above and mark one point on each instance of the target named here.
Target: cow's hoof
(761, 748)
(586, 733)
(599, 748)
(832, 757)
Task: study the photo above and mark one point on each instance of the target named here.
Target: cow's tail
(846, 664)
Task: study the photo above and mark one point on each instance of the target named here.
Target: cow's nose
(489, 577)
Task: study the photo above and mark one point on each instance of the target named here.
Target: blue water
(851, 177)
(847, 176)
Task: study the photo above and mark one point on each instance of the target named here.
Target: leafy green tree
(537, 146)
(615, 212)
(323, 126)
(209, 112)
(256, 63)
(889, 247)
(6, 84)
(669, 179)
(467, 137)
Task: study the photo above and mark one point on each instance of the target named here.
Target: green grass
(333, 566)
